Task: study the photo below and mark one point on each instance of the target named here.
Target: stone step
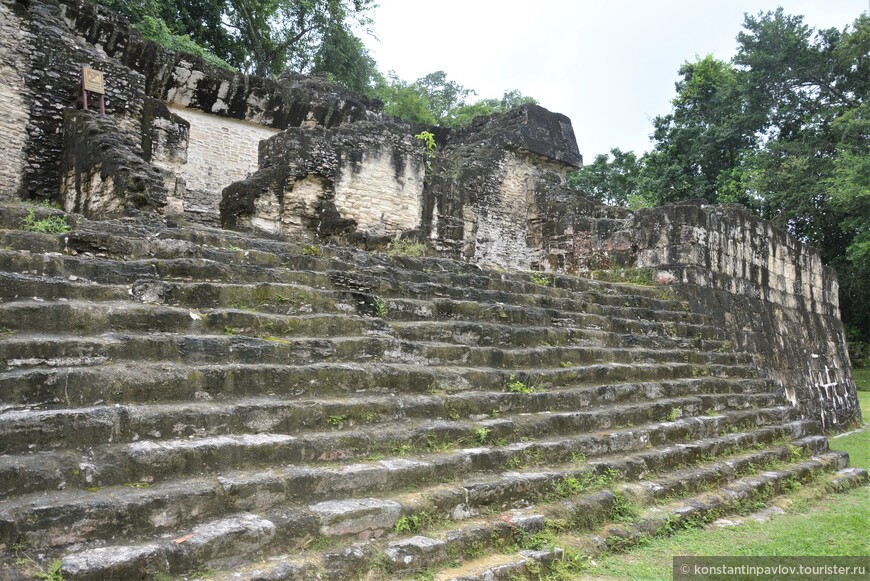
(574, 515)
(226, 247)
(403, 556)
(486, 334)
(44, 350)
(22, 351)
(342, 276)
(526, 563)
(411, 310)
(29, 429)
(562, 356)
(42, 516)
(119, 383)
(29, 286)
(103, 317)
(158, 457)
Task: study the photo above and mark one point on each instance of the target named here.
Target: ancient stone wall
(220, 151)
(46, 43)
(103, 171)
(363, 179)
(14, 107)
(768, 289)
(484, 189)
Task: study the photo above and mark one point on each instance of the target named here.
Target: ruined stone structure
(177, 396)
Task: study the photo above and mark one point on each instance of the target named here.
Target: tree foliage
(436, 100)
(265, 37)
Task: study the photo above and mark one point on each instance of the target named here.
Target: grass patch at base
(814, 524)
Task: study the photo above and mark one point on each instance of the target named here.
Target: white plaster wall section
(300, 203)
(502, 227)
(267, 214)
(220, 151)
(381, 198)
(14, 110)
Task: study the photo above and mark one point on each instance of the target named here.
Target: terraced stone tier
(176, 400)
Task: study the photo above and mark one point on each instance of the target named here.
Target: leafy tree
(613, 182)
(404, 100)
(700, 142)
(343, 56)
(265, 37)
(436, 100)
(465, 114)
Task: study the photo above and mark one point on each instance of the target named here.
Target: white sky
(609, 65)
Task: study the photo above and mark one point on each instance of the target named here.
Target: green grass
(862, 381)
(830, 525)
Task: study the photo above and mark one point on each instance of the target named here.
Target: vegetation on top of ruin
(309, 37)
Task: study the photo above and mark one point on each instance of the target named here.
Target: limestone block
(365, 517)
(104, 173)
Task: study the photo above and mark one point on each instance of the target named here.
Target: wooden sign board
(92, 81)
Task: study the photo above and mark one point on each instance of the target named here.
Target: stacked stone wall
(14, 106)
(220, 151)
(768, 289)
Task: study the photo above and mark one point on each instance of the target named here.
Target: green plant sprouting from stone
(47, 225)
(428, 140)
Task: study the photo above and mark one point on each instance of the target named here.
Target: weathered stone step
(394, 281)
(225, 246)
(24, 351)
(531, 563)
(524, 488)
(486, 334)
(156, 459)
(290, 299)
(578, 514)
(135, 509)
(130, 561)
(27, 286)
(29, 429)
(127, 241)
(113, 383)
(404, 310)
(95, 318)
(561, 356)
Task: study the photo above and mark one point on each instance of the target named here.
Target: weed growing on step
(407, 248)
(482, 435)
(516, 385)
(310, 250)
(623, 510)
(336, 421)
(47, 225)
(674, 414)
(381, 308)
(229, 330)
(542, 279)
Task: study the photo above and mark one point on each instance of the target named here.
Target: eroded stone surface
(364, 517)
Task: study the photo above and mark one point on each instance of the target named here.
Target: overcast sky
(609, 65)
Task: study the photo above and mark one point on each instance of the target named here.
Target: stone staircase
(178, 402)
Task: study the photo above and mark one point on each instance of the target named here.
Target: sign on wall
(92, 80)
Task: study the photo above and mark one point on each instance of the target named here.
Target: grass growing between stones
(814, 523)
